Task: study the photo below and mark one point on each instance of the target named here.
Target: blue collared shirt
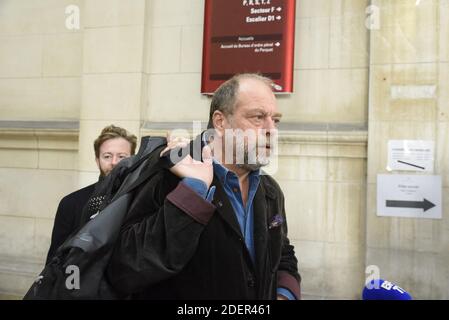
(244, 213)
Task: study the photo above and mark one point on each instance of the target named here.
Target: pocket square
(276, 221)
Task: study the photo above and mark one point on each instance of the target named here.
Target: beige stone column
(113, 64)
(409, 49)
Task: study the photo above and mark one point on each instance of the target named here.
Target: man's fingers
(175, 144)
(207, 155)
(181, 142)
(164, 151)
(171, 138)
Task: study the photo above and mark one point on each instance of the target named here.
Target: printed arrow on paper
(425, 204)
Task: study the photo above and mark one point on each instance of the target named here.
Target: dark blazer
(68, 217)
(176, 245)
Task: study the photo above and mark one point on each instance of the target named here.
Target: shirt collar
(223, 173)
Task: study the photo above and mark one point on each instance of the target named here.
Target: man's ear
(219, 121)
(98, 163)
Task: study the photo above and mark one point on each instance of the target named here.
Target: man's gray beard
(253, 166)
(250, 167)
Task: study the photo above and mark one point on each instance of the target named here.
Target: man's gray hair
(225, 97)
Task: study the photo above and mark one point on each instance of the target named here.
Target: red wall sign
(248, 36)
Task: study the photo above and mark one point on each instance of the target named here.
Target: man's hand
(188, 167)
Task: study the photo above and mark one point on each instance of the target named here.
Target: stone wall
(138, 64)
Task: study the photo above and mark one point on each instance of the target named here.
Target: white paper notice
(411, 196)
(411, 155)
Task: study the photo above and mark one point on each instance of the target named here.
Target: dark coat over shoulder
(175, 245)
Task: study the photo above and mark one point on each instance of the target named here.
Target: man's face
(252, 123)
(112, 151)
